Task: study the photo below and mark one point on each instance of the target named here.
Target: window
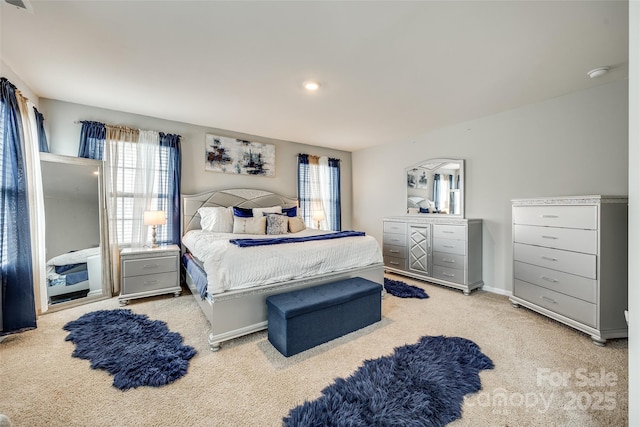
(319, 192)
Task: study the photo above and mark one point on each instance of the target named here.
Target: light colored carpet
(539, 378)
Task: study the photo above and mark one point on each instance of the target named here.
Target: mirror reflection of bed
(72, 223)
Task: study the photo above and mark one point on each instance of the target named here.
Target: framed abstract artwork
(239, 156)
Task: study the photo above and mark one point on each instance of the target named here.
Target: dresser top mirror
(435, 187)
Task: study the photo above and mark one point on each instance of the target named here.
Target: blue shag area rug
(137, 351)
(403, 290)
(421, 384)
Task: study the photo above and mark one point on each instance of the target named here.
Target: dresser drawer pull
(148, 266)
(447, 232)
(393, 251)
(395, 240)
(448, 246)
(150, 282)
(548, 258)
(548, 300)
(450, 261)
(394, 263)
(448, 274)
(549, 216)
(549, 279)
(550, 237)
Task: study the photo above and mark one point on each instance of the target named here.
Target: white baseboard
(497, 291)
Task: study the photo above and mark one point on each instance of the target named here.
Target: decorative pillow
(296, 224)
(277, 224)
(256, 225)
(215, 218)
(290, 212)
(242, 212)
(272, 209)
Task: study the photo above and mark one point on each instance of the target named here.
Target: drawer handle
(548, 258)
(150, 282)
(550, 237)
(447, 232)
(549, 279)
(448, 246)
(148, 266)
(391, 251)
(450, 261)
(448, 274)
(547, 299)
(395, 240)
(549, 216)
(394, 263)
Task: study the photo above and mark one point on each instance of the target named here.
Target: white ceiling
(389, 71)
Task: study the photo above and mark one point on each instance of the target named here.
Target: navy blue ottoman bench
(302, 319)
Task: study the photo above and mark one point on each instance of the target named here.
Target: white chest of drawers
(446, 251)
(570, 261)
(149, 271)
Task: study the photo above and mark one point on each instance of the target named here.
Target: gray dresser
(570, 261)
(445, 251)
(149, 271)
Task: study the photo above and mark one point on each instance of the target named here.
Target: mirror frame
(440, 161)
(104, 249)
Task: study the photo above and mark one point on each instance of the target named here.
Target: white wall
(64, 136)
(9, 74)
(571, 145)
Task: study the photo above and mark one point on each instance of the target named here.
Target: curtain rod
(120, 126)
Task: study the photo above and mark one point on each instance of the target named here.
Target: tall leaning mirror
(436, 187)
(72, 190)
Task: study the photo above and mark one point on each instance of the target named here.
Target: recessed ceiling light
(311, 86)
(597, 72)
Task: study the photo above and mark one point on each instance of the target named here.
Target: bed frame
(233, 314)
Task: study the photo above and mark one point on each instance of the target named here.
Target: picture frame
(238, 156)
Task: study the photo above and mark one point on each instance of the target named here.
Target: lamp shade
(154, 218)
(318, 215)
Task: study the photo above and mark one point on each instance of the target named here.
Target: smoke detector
(597, 72)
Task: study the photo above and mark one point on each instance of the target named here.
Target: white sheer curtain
(147, 152)
(36, 204)
(325, 192)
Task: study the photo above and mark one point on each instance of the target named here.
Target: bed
(74, 272)
(233, 295)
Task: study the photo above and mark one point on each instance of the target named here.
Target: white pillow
(218, 219)
(252, 225)
(272, 209)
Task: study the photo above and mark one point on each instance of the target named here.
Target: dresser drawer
(571, 239)
(448, 260)
(394, 239)
(393, 251)
(143, 266)
(456, 232)
(584, 217)
(450, 246)
(449, 274)
(568, 284)
(395, 227)
(395, 262)
(569, 262)
(150, 282)
(567, 306)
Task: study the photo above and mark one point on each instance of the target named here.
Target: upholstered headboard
(242, 197)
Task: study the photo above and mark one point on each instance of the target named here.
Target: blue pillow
(290, 212)
(242, 212)
(424, 210)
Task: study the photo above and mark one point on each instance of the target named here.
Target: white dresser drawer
(395, 227)
(568, 284)
(151, 282)
(143, 266)
(569, 262)
(456, 232)
(394, 239)
(395, 262)
(571, 239)
(567, 306)
(448, 260)
(394, 251)
(450, 246)
(449, 274)
(584, 217)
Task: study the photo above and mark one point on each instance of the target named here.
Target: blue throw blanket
(245, 243)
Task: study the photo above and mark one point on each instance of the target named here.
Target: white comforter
(231, 267)
(76, 257)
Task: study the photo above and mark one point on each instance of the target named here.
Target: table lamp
(154, 218)
(318, 216)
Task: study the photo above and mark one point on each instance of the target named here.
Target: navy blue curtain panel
(304, 187)
(335, 221)
(92, 138)
(174, 160)
(42, 136)
(18, 301)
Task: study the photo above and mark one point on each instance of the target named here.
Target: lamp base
(154, 243)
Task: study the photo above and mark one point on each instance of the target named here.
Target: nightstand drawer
(150, 282)
(144, 266)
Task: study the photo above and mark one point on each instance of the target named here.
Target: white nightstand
(149, 271)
